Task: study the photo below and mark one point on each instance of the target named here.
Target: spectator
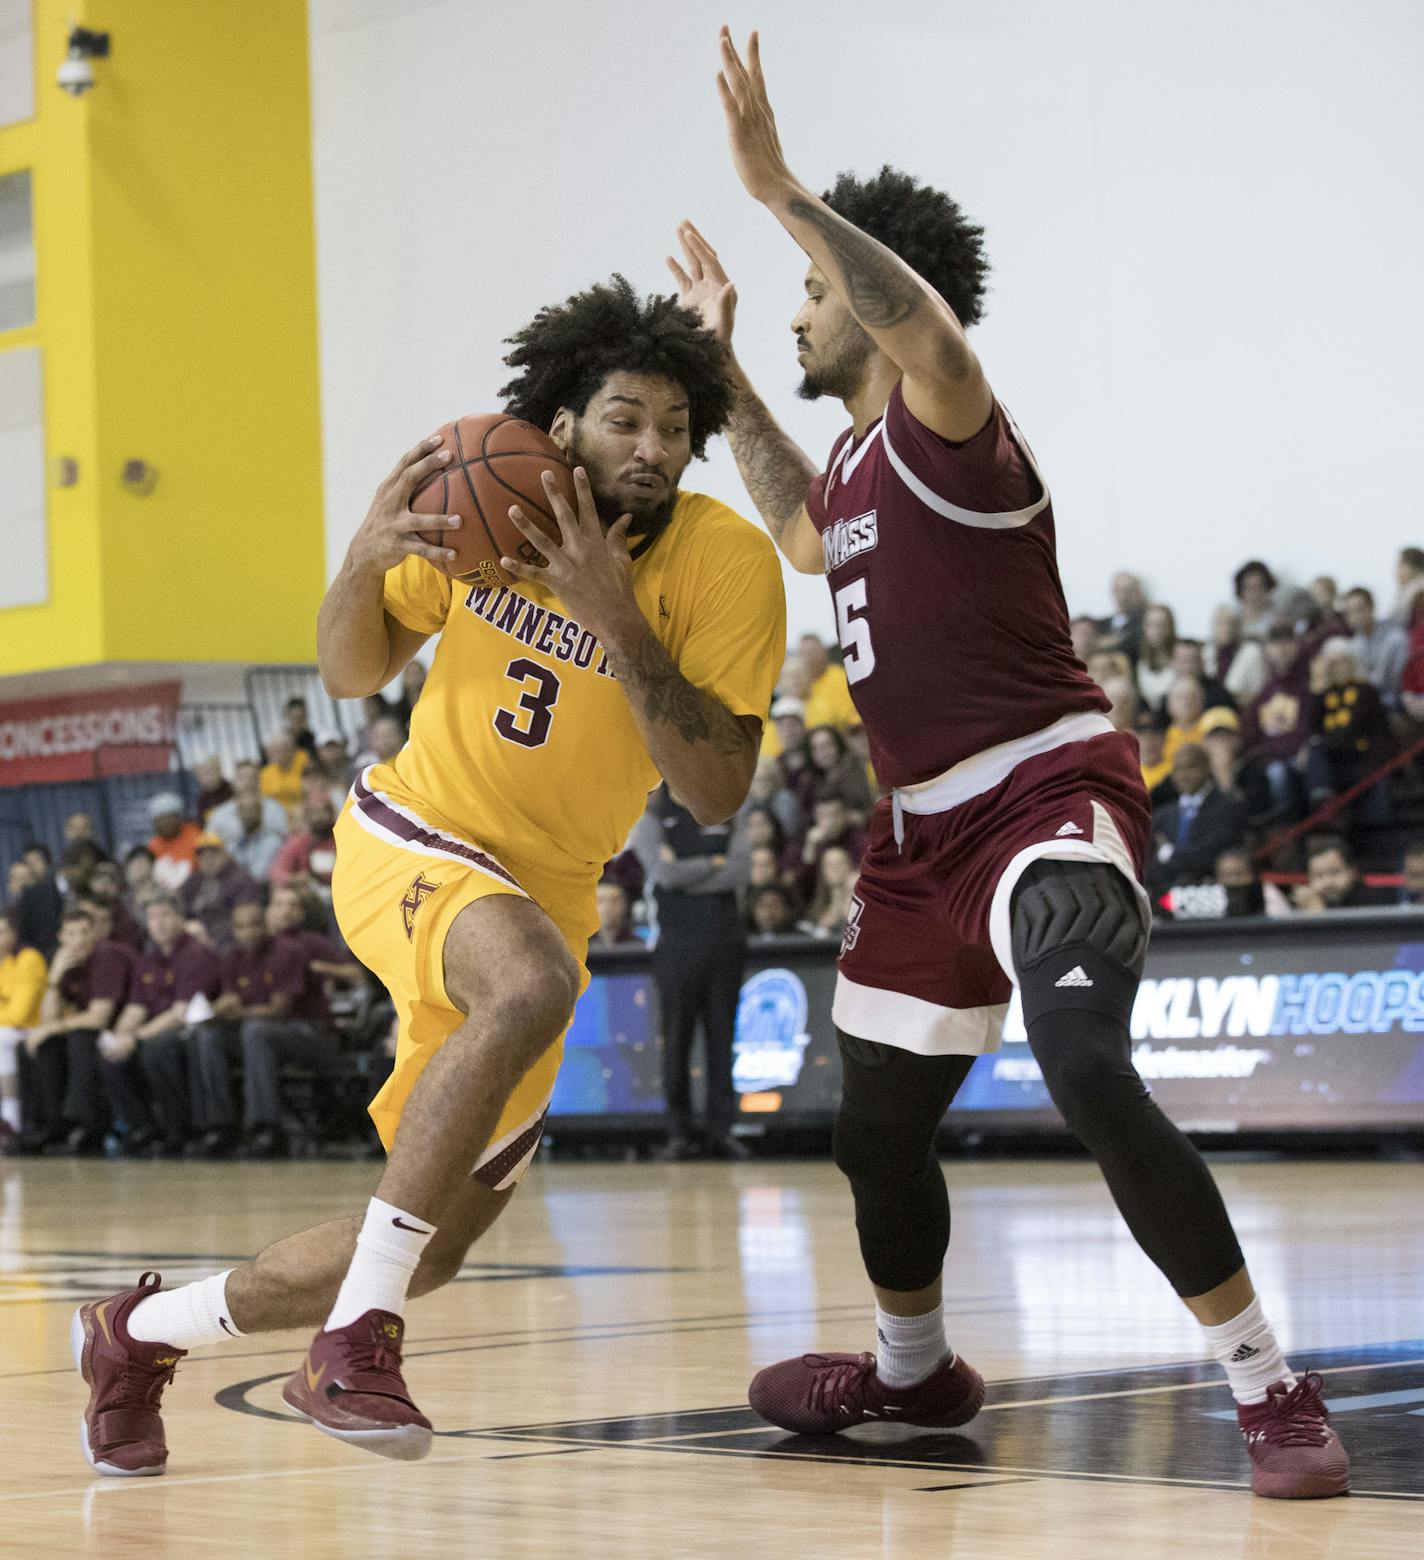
(79, 826)
(1324, 593)
(40, 906)
(1156, 766)
(1189, 716)
(297, 724)
(214, 891)
(628, 872)
(385, 738)
(140, 884)
(1083, 631)
(1104, 665)
(106, 889)
(1122, 628)
(168, 1021)
(75, 865)
(1246, 894)
(1237, 664)
(1192, 831)
(311, 854)
(615, 917)
(247, 787)
(213, 788)
(1155, 674)
(1123, 703)
(769, 790)
(763, 830)
(765, 867)
(412, 684)
(41, 1057)
(1255, 588)
(1411, 874)
(1274, 725)
(1246, 781)
(1411, 683)
(1189, 660)
(774, 912)
(858, 741)
(1409, 575)
(18, 880)
(334, 760)
(249, 836)
(835, 884)
(22, 984)
(87, 994)
(827, 697)
(175, 841)
(1380, 648)
(788, 734)
(280, 1017)
(834, 825)
(1351, 733)
(838, 769)
(1332, 879)
(281, 776)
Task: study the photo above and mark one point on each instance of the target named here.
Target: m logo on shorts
(852, 926)
(415, 896)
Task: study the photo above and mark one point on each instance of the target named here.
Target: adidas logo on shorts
(1075, 977)
(1068, 828)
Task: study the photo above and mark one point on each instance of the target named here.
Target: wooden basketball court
(587, 1375)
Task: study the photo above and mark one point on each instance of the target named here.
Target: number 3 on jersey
(529, 724)
(853, 631)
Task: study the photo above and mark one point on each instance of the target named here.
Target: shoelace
(141, 1386)
(837, 1381)
(1298, 1418)
(378, 1359)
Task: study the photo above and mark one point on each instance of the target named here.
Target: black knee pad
(1079, 937)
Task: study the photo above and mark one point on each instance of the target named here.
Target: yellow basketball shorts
(399, 884)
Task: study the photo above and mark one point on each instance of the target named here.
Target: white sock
(187, 1317)
(1249, 1354)
(387, 1254)
(908, 1348)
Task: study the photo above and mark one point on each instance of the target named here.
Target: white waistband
(971, 777)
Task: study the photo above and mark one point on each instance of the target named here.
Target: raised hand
(751, 125)
(703, 286)
(589, 570)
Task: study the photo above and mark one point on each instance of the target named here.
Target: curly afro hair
(925, 228)
(568, 350)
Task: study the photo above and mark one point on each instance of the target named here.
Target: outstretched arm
(776, 470)
(943, 384)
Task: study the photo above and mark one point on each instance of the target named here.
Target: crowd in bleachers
(155, 993)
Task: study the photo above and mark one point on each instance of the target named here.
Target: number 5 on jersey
(528, 725)
(853, 631)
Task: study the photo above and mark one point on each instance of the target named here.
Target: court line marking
(969, 1484)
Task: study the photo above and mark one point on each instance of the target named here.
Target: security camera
(76, 74)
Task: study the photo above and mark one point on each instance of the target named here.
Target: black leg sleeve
(892, 1103)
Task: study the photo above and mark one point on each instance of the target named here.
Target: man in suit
(1192, 831)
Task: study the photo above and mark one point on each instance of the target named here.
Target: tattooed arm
(776, 470)
(943, 384)
(706, 754)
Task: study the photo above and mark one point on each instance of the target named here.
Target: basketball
(495, 461)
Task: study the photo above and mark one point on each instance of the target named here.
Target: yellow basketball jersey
(522, 739)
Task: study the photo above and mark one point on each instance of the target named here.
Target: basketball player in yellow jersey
(648, 646)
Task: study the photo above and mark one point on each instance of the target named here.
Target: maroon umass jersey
(950, 613)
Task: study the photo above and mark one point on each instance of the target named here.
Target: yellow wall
(177, 316)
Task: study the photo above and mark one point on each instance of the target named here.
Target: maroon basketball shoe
(121, 1431)
(350, 1386)
(1295, 1455)
(817, 1394)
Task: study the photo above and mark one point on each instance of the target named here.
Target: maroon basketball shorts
(926, 962)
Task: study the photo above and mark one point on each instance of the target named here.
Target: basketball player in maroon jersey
(1011, 847)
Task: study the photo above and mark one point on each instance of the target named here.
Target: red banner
(82, 736)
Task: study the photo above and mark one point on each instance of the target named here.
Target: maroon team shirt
(163, 979)
(315, 948)
(942, 566)
(107, 974)
(255, 975)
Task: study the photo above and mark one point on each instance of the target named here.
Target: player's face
(633, 440)
(832, 348)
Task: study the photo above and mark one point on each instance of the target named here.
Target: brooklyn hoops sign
(85, 736)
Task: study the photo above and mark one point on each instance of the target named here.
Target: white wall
(1206, 223)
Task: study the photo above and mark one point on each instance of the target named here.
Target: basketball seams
(474, 496)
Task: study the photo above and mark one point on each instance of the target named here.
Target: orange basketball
(495, 461)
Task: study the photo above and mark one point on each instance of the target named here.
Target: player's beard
(650, 518)
(841, 366)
